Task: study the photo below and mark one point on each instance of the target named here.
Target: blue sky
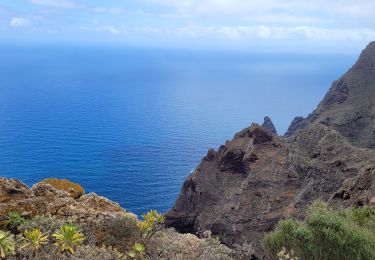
(320, 24)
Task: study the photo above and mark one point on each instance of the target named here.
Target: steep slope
(349, 106)
(241, 191)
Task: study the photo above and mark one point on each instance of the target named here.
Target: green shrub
(46, 224)
(120, 232)
(137, 251)
(68, 238)
(14, 220)
(326, 235)
(150, 220)
(7, 244)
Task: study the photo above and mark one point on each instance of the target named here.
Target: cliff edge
(241, 191)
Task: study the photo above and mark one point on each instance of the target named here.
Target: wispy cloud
(208, 20)
(261, 32)
(18, 22)
(65, 4)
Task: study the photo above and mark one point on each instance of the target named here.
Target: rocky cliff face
(241, 191)
(349, 105)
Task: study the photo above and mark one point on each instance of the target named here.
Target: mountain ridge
(241, 191)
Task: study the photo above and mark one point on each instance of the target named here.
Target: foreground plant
(14, 220)
(7, 244)
(150, 220)
(137, 251)
(68, 238)
(33, 239)
(326, 235)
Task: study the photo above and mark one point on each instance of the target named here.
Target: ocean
(132, 123)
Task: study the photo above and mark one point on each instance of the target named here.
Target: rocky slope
(241, 191)
(108, 228)
(349, 105)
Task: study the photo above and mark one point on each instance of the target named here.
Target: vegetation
(120, 232)
(150, 221)
(7, 243)
(137, 252)
(125, 237)
(68, 238)
(34, 239)
(325, 235)
(14, 220)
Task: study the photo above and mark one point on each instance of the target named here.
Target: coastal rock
(13, 190)
(269, 126)
(257, 178)
(62, 199)
(73, 189)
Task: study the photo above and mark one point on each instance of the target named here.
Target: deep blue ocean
(130, 124)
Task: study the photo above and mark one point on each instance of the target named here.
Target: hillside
(243, 189)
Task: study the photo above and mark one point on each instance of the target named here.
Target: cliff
(242, 190)
(349, 105)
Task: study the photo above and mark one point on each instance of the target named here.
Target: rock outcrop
(242, 190)
(295, 125)
(60, 198)
(269, 126)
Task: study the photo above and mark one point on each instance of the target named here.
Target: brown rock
(59, 198)
(73, 189)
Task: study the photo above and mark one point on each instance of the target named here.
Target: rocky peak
(349, 105)
(294, 126)
(269, 126)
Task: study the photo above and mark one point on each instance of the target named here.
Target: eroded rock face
(349, 106)
(265, 181)
(269, 126)
(60, 198)
(242, 190)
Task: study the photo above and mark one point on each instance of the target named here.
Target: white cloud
(65, 4)
(19, 22)
(276, 11)
(259, 32)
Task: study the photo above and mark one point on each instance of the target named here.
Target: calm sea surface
(131, 124)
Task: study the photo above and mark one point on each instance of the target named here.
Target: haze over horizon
(323, 26)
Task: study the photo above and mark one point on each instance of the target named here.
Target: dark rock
(210, 155)
(294, 126)
(349, 105)
(269, 126)
(281, 176)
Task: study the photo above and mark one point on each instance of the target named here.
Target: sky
(313, 24)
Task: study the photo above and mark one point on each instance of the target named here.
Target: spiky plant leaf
(34, 239)
(68, 238)
(7, 244)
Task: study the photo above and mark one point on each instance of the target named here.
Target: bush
(120, 232)
(14, 220)
(150, 220)
(46, 224)
(326, 234)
